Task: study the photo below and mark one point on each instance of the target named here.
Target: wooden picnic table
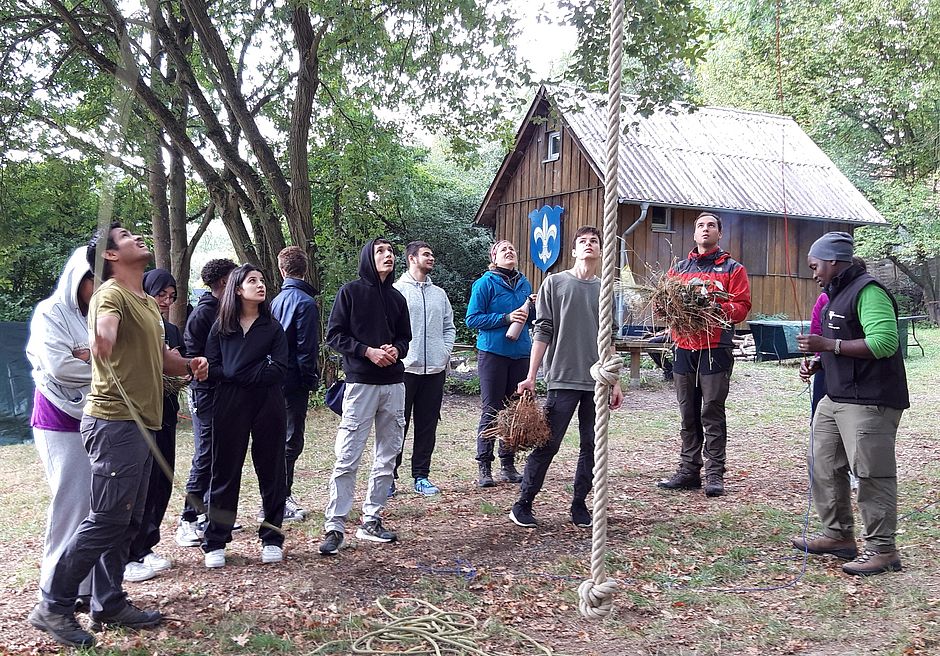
(636, 348)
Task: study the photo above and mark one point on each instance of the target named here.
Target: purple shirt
(48, 417)
(815, 324)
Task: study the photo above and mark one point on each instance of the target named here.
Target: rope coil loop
(595, 601)
(607, 371)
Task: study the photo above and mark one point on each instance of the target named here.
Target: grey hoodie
(57, 328)
(432, 326)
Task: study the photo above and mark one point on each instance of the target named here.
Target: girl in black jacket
(247, 354)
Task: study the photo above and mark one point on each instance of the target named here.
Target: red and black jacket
(731, 276)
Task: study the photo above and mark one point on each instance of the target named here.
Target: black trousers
(703, 425)
(499, 377)
(424, 394)
(243, 414)
(197, 487)
(296, 400)
(120, 475)
(160, 488)
(560, 406)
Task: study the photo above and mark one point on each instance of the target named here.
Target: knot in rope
(607, 372)
(596, 599)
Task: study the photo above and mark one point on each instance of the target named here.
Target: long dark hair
(230, 309)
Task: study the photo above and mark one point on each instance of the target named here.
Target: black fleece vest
(881, 381)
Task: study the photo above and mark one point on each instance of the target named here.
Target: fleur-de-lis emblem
(542, 234)
(545, 235)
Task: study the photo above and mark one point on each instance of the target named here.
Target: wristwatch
(838, 347)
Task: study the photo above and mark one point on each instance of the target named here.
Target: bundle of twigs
(521, 425)
(173, 385)
(688, 307)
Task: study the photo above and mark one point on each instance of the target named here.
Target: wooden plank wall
(758, 242)
(568, 181)
(780, 280)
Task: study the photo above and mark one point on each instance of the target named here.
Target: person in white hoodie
(59, 353)
(432, 340)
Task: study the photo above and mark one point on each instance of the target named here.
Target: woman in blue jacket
(247, 354)
(501, 298)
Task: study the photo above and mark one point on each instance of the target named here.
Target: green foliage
(47, 209)
(662, 42)
(367, 183)
(863, 78)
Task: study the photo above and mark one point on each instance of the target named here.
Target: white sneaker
(157, 563)
(271, 553)
(135, 572)
(215, 558)
(293, 512)
(186, 535)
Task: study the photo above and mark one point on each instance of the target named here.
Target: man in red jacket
(703, 362)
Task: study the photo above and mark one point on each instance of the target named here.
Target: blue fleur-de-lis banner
(545, 235)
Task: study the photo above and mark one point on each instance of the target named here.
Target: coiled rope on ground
(425, 629)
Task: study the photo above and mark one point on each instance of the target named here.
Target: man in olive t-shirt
(136, 360)
(125, 404)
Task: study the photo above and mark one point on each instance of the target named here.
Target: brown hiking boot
(714, 485)
(846, 549)
(681, 480)
(873, 562)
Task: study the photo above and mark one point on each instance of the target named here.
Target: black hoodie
(368, 313)
(197, 330)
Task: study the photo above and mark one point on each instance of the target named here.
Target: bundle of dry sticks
(521, 425)
(688, 306)
(173, 385)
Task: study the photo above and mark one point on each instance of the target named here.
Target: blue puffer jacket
(490, 301)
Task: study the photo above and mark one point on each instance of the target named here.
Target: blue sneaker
(391, 489)
(425, 487)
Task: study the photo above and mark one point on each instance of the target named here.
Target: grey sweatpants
(68, 474)
(861, 438)
(363, 404)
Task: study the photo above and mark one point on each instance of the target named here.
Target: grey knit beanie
(836, 246)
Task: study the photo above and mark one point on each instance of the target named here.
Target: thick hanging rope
(596, 594)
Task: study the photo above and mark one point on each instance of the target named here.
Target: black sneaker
(83, 605)
(375, 532)
(580, 516)
(130, 617)
(332, 543)
(521, 514)
(681, 480)
(64, 629)
(714, 486)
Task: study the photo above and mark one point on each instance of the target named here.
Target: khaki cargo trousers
(861, 438)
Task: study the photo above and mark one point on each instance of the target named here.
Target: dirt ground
(697, 575)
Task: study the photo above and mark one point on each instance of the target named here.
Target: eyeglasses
(163, 296)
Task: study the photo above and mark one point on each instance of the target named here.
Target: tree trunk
(156, 184)
(922, 276)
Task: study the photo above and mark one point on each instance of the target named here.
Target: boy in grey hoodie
(432, 340)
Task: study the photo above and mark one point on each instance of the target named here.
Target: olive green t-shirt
(136, 360)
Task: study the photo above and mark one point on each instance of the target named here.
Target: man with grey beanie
(856, 423)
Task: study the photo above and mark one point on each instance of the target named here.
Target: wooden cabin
(774, 189)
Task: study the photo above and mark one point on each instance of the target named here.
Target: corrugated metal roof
(723, 159)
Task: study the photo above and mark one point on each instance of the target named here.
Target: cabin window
(553, 147)
(660, 219)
